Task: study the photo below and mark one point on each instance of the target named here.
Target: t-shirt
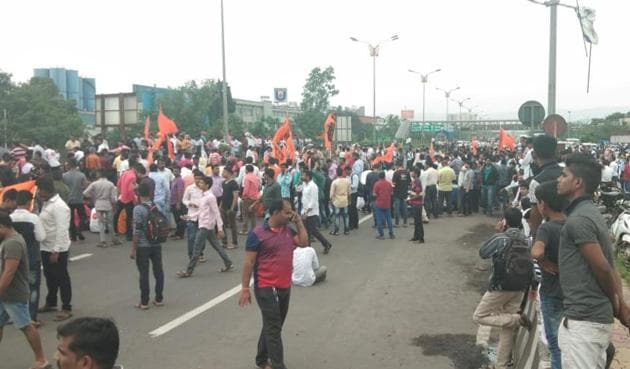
(549, 234)
(339, 192)
(76, 182)
(401, 184)
(583, 297)
(305, 262)
(274, 258)
(270, 194)
(446, 176)
(228, 193)
(382, 194)
(14, 247)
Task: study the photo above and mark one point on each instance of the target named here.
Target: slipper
(183, 274)
(158, 303)
(227, 268)
(62, 315)
(142, 307)
(232, 247)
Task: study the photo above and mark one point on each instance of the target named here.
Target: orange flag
(283, 133)
(165, 125)
(147, 123)
(506, 141)
(24, 186)
(387, 157)
(329, 129)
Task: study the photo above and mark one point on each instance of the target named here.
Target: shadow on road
(459, 348)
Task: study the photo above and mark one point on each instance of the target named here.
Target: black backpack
(157, 225)
(513, 266)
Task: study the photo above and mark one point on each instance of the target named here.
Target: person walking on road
(591, 288)
(103, 193)
(446, 176)
(340, 198)
(415, 201)
(191, 200)
(14, 289)
(430, 190)
(209, 218)
(55, 217)
(401, 183)
(382, 192)
(270, 247)
(144, 251)
(229, 204)
(310, 210)
(251, 193)
(76, 182)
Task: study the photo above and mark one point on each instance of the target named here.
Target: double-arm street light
(461, 105)
(447, 95)
(424, 78)
(374, 49)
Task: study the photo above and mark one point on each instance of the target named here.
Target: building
(73, 87)
(147, 95)
(252, 111)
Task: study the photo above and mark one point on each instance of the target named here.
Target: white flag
(587, 17)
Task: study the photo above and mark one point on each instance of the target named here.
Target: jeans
(474, 199)
(430, 201)
(324, 212)
(353, 212)
(34, 281)
(382, 216)
(583, 343)
(400, 210)
(204, 234)
(191, 233)
(57, 279)
(180, 224)
(274, 306)
(488, 193)
(229, 220)
(144, 255)
(341, 214)
(162, 207)
(80, 210)
(466, 202)
(312, 228)
(551, 308)
(442, 197)
(418, 227)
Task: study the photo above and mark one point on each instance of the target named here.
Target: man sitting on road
(306, 268)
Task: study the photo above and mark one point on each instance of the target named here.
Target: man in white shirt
(55, 217)
(607, 173)
(306, 268)
(310, 210)
(191, 199)
(430, 190)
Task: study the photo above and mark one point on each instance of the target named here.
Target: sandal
(183, 274)
(232, 247)
(47, 365)
(142, 307)
(158, 303)
(63, 315)
(227, 268)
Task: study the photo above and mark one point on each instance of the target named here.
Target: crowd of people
(209, 190)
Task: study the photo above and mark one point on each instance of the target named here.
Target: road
(385, 304)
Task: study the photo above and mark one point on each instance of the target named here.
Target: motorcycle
(620, 230)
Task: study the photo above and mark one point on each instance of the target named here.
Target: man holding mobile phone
(270, 247)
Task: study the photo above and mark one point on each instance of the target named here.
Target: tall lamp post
(374, 49)
(424, 78)
(461, 105)
(447, 95)
(225, 99)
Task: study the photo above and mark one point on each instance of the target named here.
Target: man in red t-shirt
(382, 192)
(269, 255)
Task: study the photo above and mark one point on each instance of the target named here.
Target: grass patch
(623, 269)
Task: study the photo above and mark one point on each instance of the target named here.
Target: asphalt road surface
(385, 304)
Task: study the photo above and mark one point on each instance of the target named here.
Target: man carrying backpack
(512, 272)
(146, 245)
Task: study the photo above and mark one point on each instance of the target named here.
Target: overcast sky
(496, 50)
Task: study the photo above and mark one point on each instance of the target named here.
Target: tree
(264, 127)
(36, 111)
(196, 107)
(310, 124)
(388, 131)
(318, 90)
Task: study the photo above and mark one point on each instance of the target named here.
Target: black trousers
(274, 306)
(312, 228)
(353, 212)
(431, 201)
(57, 280)
(467, 202)
(418, 227)
(179, 222)
(129, 209)
(80, 209)
(144, 255)
(475, 196)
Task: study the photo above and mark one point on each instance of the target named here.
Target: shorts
(17, 312)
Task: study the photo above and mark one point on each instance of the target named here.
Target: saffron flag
(329, 129)
(165, 125)
(288, 151)
(387, 157)
(506, 141)
(24, 186)
(147, 123)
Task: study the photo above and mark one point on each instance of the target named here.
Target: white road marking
(79, 257)
(194, 312)
(365, 218)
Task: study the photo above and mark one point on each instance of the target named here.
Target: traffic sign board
(555, 125)
(531, 113)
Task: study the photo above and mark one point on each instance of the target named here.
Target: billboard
(116, 110)
(343, 130)
(407, 114)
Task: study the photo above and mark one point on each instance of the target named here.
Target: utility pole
(226, 133)
(553, 33)
(424, 78)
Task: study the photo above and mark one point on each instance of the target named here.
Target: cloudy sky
(496, 50)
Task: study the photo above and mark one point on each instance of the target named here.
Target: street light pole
(447, 95)
(374, 49)
(225, 99)
(424, 78)
(553, 32)
(461, 105)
